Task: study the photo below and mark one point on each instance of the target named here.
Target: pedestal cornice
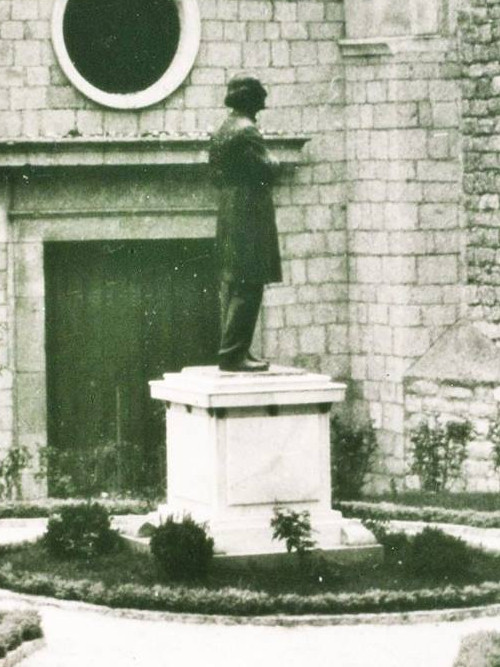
(208, 387)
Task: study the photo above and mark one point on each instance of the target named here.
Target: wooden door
(119, 314)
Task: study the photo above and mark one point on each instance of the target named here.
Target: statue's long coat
(247, 239)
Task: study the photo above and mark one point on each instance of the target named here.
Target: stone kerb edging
(22, 652)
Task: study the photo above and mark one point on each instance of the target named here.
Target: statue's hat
(242, 89)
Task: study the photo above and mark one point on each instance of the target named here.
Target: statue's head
(246, 93)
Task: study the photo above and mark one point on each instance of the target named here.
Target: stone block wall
(373, 228)
(480, 57)
(406, 237)
(292, 47)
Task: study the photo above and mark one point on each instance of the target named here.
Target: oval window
(126, 54)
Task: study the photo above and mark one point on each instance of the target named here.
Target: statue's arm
(257, 161)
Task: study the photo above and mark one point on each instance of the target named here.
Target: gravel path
(81, 636)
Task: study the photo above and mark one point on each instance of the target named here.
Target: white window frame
(176, 73)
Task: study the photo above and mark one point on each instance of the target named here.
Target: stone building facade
(385, 116)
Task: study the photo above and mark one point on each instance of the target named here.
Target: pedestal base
(236, 537)
(240, 444)
(339, 540)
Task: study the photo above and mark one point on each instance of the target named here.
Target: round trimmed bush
(182, 550)
(81, 531)
(433, 553)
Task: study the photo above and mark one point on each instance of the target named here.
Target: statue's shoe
(252, 357)
(244, 366)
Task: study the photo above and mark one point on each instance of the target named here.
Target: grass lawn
(316, 576)
(481, 502)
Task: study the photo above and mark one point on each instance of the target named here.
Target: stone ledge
(130, 151)
(389, 46)
(362, 48)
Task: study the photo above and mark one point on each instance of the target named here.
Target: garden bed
(478, 501)
(43, 508)
(395, 511)
(16, 629)
(481, 649)
(128, 579)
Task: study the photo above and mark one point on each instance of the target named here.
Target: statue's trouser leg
(240, 304)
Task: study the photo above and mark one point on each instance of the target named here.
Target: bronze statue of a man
(247, 238)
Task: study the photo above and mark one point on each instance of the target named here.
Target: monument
(246, 437)
(239, 444)
(246, 238)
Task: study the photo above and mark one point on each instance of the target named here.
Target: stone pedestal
(239, 444)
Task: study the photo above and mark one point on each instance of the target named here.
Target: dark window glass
(121, 46)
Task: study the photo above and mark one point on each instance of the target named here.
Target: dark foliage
(81, 531)
(182, 550)
(352, 450)
(434, 554)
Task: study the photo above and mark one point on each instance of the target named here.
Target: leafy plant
(182, 550)
(353, 450)
(80, 531)
(11, 468)
(107, 466)
(439, 452)
(494, 436)
(294, 528)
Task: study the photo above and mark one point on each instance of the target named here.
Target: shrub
(439, 451)
(353, 450)
(294, 528)
(482, 649)
(437, 555)
(80, 531)
(182, 550)
(11, 468)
